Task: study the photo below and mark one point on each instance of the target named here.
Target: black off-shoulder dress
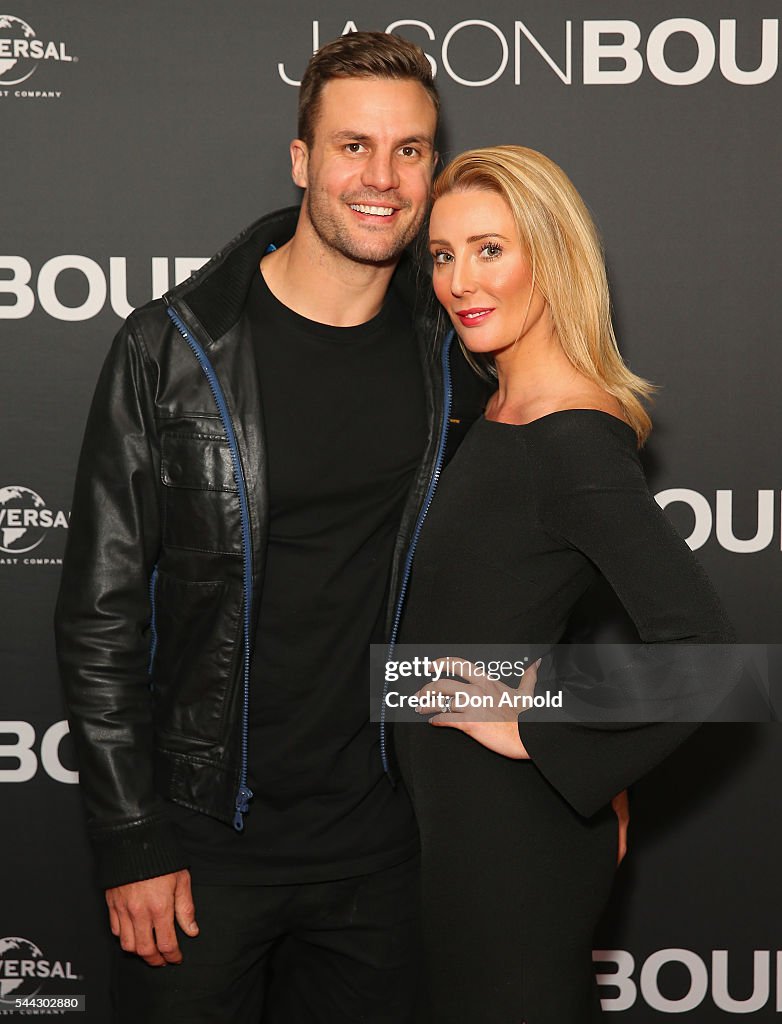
(518, 857)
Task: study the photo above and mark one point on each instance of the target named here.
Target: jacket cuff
(135, 851)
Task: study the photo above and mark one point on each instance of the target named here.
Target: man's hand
(142, 916)
(621, 806)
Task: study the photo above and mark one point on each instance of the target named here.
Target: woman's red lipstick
(474, 316)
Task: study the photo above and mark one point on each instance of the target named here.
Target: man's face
(369, 169)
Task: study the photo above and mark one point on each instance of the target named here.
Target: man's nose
(380, 172)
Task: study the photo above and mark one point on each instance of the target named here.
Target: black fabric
(535, 511)
(523, 520)
(513, 880)
(322, 807)
(344, 952)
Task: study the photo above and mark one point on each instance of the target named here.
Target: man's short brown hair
(361, 55)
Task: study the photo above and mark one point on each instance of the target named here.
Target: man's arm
(103, 617)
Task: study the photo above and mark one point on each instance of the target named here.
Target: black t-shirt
(345, 419)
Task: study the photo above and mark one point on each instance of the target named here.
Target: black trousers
(321, 953)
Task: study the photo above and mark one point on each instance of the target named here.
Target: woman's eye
(441, 257)
(491, 250)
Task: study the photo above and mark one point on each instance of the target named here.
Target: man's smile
(374, 211)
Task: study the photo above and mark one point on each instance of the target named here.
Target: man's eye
(409, 151)
(354, 147)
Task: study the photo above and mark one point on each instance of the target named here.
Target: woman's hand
(485, 709)
(621, 806)
(489, 714)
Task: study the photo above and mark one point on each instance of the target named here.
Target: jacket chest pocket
(200, 498)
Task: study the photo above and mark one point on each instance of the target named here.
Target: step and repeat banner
(137, 139)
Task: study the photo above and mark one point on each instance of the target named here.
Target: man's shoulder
(215, 292)
(273, 228)
(146, 322)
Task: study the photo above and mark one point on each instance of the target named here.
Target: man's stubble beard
(334, 234)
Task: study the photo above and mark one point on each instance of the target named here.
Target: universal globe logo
(25, 520)
(24, 969)
(15, 954)
(21, 50)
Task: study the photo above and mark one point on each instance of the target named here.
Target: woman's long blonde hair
(567, 263)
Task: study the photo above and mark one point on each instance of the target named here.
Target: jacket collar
(217, 293)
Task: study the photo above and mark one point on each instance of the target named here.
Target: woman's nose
(461, 279)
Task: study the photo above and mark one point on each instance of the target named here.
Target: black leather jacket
(166, 549)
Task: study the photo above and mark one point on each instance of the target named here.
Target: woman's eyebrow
(472, 238)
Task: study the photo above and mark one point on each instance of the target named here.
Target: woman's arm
(592, 496)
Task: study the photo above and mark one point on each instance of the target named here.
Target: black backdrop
(145, 136)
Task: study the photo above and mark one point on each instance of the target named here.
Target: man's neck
(322, 285)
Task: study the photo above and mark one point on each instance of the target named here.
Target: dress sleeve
(592, 496)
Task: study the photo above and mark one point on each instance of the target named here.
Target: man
(255, 440)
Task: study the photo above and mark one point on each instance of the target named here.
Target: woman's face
(481, 273)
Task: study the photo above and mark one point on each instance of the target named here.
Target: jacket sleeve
(594, 498)
(103, 616)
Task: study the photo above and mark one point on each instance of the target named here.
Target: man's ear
(300, 155)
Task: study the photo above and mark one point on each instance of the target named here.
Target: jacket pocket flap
(196, 461)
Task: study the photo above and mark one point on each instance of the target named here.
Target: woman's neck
(533, 376)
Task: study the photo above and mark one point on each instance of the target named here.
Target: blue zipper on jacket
(419, 524)
(152, 622)
(244, 793)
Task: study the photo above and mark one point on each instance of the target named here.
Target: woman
(546, 490)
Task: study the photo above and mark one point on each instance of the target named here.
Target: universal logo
(25, 522)
(24, 970)
(21, 51)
